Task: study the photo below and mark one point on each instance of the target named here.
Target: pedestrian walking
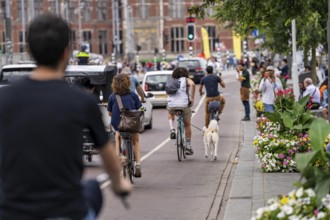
(243, 76)
(41, 135)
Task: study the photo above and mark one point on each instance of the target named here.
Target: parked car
(154, 82)
(196, 67)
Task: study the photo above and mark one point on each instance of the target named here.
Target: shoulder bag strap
(314, 91)
(119, 102)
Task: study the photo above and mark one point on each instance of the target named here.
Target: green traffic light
(190, 36)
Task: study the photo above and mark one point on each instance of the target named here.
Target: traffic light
(191, 31)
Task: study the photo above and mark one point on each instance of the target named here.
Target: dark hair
(180, 72)
(48, 37)
(285, 60)
(307, 67)
(209, 69)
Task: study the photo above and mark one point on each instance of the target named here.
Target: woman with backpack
(181, 98)
(121, 86)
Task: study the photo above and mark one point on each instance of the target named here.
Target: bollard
(113, 58)
(163, 58)
(190, 51)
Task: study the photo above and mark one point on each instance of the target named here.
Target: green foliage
(292, 117)
(272, 18)
(312, 176)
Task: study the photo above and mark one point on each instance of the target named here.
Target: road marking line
(158, 147)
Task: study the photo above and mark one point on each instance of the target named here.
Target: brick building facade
(154, 24)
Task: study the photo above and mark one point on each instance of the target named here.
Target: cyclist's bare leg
(171, 119)
(207, 113)
(223, 102)
(136, 147)
(118, 140)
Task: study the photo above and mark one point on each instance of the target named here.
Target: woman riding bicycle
(121, 86)
(182, 99)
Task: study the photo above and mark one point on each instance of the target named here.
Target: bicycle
(126, 150)
(180, 136)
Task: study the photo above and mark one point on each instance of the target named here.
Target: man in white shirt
(269, 85)
(216, 65)
(313, 91)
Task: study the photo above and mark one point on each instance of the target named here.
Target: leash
(197, 128)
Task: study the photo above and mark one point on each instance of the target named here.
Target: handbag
(130, 120)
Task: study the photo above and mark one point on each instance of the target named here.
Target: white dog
(211, 140)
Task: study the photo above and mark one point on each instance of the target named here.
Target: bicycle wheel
(131, 161)
(183, 141)
(179, 144)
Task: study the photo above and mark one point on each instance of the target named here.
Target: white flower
(260, 211)
(320, 215)
(280, 215)
(310, 192)
(274, 207)
(300, 192)
(312, 218)
(294, 217)
(287, 209)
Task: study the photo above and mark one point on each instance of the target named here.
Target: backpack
(172, 86)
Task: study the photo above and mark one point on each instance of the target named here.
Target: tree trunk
(306, 56)
(314, 76)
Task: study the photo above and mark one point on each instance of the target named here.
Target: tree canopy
(273, 19)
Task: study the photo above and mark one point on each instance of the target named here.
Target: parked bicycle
(126, 150)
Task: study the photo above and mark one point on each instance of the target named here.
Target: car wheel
(149, 126)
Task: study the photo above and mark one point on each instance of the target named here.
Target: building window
(72, 11)
(143, 8)
(38, 7)
(177, 39)
(87, 38)
(103, 42)
(21, 43)
(19, 10)
(54, 6)
(211, 30)
(177, 9)
(86, 11)
(102, 10)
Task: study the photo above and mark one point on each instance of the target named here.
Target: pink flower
(316, 212)
(295, 149)
(290, 151)
(285, 163)
(281, 156)
(301, 135)
(288, 158)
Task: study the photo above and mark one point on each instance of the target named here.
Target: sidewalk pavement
(252, 188)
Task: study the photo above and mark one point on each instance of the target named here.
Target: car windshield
(189, 63)
(9, 76)
(156, 82)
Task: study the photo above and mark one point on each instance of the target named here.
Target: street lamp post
(23, 23)
(80, 6)
(294, 61)
(9, 43)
